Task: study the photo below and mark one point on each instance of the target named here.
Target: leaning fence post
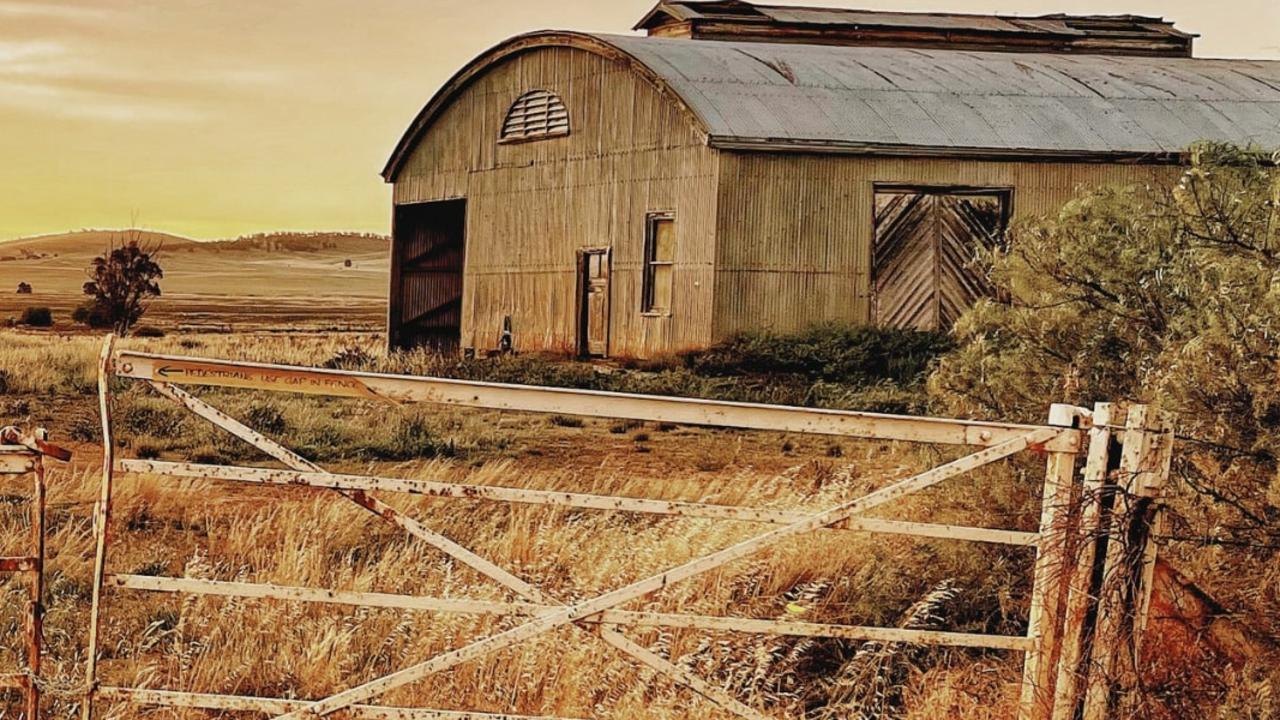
(1125, 585)
(1153, 488)
(1048, 591)
(1081, 598)
(101, 519)
(35, 613)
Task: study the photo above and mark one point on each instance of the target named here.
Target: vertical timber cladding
(430, 251)
(795, 230)
(926, 253)
(532, 206)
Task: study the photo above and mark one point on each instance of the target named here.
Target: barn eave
(832, 147)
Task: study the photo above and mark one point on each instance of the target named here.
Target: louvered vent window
(534, 115)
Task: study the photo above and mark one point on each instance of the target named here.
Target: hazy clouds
(216, 117)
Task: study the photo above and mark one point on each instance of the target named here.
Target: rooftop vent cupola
(1066, 34)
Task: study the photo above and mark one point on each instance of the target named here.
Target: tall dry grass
(314, 538)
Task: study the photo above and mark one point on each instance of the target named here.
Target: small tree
(122, 280)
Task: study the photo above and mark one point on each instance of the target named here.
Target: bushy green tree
(1168, 295)
(122, 280)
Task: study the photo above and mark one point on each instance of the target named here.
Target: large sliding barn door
(923, 266)
(429, 250)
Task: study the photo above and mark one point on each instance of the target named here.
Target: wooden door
(925, 259)
(593, 336)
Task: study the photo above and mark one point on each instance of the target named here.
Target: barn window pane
(659, 262)
(664, 240)
(535, 114)
(661, 288)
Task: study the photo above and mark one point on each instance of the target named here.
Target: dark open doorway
(428, 254)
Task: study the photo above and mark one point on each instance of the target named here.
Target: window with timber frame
(659, 263)
(535, 115)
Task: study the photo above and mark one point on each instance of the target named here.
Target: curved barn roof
(793, 97)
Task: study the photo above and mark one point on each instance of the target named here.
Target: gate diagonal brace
(524, 589)
(615, 598)
(359, 497)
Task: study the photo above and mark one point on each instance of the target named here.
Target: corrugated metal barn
(748, 166)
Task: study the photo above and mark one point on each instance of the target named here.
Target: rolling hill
(320, 264)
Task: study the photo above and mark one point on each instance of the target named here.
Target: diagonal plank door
(923, 257)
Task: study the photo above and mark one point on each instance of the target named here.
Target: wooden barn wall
(531, 206)
(795, 231)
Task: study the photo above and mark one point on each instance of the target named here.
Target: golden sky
(212, 118)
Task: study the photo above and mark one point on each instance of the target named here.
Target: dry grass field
(254, 283)
(308, 537)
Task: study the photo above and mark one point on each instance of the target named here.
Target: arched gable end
(515, 46)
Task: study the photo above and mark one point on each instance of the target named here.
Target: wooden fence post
(1081, 598)
(1048, 593)
(1110, 585)
(101, 519)
(35, 607)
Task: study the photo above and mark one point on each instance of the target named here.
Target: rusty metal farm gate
(22, 454)
(1090, 584)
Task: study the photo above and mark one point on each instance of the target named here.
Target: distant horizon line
(180, 236)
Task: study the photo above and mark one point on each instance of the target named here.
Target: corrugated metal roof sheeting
(962, 99)
(834, 16)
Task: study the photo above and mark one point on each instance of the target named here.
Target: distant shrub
(411, 437)
(207, 455)
(91, 315)
(832, 366)
(352, 357)
(266, 418)
(147, 449)
(85, 427)
(16, 406)
(151, 419)
(566, 421)
(148, 331)
(851, 354)
(24, 288)
(36, 316)
(624, 426)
